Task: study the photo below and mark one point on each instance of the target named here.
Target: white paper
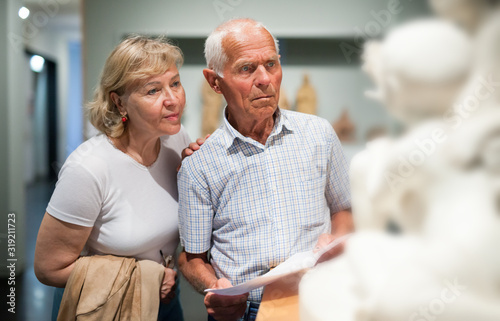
(295, 263)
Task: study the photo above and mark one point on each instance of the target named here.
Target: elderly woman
(117, 192)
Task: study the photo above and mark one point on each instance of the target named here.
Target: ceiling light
(36, 63)
(24, 13)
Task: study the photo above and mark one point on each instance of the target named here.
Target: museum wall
(53, 41)
(334, 72)
(12, 194)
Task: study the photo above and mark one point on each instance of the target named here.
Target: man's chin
(267, 110)
(265, 105)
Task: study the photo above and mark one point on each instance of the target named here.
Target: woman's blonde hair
(136, 58)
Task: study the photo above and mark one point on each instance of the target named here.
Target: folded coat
(106, 287)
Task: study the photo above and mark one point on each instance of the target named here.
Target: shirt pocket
(312, 213)
(311, 190)
(313, 162)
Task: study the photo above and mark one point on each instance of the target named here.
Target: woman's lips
(172, 117)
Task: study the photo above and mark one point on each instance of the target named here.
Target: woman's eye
(176, 84)
(153, 91)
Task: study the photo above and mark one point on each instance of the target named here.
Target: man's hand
(167, 290)
(323, 241)
(225, 308)
(194, 146)
(342, 224)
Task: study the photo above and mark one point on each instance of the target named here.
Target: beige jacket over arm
(106, 287)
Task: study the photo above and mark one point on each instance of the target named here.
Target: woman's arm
(58, 246)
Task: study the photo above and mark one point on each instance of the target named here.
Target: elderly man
(267, 184)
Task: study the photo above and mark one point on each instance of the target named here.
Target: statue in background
(344, 128)
(283, 102)
(212, 104)
(375, 132)
(471, 15)
(306, 98)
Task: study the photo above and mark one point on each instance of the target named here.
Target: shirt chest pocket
(312, 163)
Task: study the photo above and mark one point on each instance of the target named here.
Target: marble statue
(427, 204)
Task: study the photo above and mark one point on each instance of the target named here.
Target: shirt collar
(281, 124)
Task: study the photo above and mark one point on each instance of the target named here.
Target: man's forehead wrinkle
(234, 41)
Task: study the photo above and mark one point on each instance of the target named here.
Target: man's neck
(257, 129)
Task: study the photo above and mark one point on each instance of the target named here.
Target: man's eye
(245, 68)
(153, 91)
(271, 64)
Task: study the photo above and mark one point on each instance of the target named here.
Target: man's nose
(262, 77)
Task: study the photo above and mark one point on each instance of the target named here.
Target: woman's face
(155, 106)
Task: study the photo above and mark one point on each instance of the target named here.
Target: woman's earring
(124, 118)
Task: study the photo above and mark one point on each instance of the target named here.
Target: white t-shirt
(132, 208)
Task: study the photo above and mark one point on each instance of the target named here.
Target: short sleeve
(77, 198)
(195, 212)
(338, 188)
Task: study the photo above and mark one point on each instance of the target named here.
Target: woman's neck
(142, 148)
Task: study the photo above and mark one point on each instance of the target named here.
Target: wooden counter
(280, 300)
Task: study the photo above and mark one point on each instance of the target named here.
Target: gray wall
(12, 112)
(338, 86)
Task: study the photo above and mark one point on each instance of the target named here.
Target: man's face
(252, 75)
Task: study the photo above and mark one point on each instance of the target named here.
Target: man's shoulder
(212, 150)
(302, 118)
(307, 122)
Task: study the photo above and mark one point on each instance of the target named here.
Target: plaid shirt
(255, 205)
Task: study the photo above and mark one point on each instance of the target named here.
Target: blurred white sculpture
(437, 186)
(418, 69)
(418, 77)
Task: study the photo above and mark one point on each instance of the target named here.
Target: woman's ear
(212, 79)
(118, 102)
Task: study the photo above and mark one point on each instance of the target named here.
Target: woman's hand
(168, 285)
(194, 146)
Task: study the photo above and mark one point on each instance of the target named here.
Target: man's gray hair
(214, 52)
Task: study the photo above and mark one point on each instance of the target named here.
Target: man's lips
(263, 97)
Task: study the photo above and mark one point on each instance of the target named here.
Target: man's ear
(212, 79)
(118, 102)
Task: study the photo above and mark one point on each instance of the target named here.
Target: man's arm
(342, 224)
(199, 272)
(195, 229)
(338, 197)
